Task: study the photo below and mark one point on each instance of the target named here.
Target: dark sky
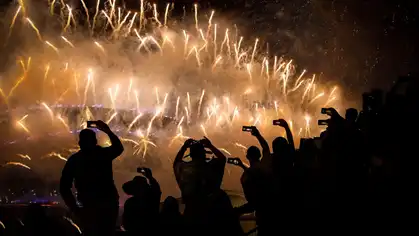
(360, 43)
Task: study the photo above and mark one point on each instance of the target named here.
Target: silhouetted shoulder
(73, 157)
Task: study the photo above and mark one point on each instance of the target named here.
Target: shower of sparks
(91, 71)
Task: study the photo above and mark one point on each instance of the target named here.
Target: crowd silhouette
(363, 162)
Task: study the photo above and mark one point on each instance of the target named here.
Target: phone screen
(247, 129)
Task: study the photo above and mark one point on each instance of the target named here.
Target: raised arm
(220, 155)
(179, 157)
(284, 124)
(263, 143)
(237, 162)
(154, 184)
(66, 184)
(116, 147)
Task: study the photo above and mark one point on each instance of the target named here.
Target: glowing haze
(202, 74)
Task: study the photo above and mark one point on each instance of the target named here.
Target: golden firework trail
(12, 163)
(220, 80)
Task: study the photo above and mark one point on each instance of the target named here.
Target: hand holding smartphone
(247, 128)
(280, 122)
(91, 124)
(234, 160)
(323, 122)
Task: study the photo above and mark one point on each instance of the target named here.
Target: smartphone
(91, 124)
(247, 128)
(276, 122)
(322, 122)
(140, 170)
(326, 111)
(233, 161)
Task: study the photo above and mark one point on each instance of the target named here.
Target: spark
(24, 156)
(254, 50)
(111, 118)
(200, 102)
(134, 121)
(57, 155)
(177, 107)
(87, 12)
(52, 46)
(204, 131)
(99, 46)
(68, 18)
(166, 12)
(225, 150)
(12, 163)
(240, 146)
(196, 15)
(67, 41)
(13, 21)
(73, 224)
(156, 14)
(51, 113)
(95, 16)
(63, 122)
(34, 28)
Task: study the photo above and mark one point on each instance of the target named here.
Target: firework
(213, 81)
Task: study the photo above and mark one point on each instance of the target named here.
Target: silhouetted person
(283, 150)
(257, 184)
(171, 220)
(208, 210)
(91, 170)
(141, 211)
(251, 178)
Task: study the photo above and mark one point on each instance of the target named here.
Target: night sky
(359, 43)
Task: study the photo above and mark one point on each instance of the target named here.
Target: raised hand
(235, 161)
(280, 122)
(189, 142)
(146, 172)
(102, 126)
(206, 142)
(255, 131)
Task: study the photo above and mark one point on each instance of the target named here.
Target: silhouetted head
(137, 187)
(253, 154)
(87, 139)
(170, 206)
(197, 152)
(351, 115)
(280, 145)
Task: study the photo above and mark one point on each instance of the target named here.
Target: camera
(327, 111)
(323, 122)
(247, 128)
(233, 161)
(91, 124)
(277, 122)
(140, 170)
